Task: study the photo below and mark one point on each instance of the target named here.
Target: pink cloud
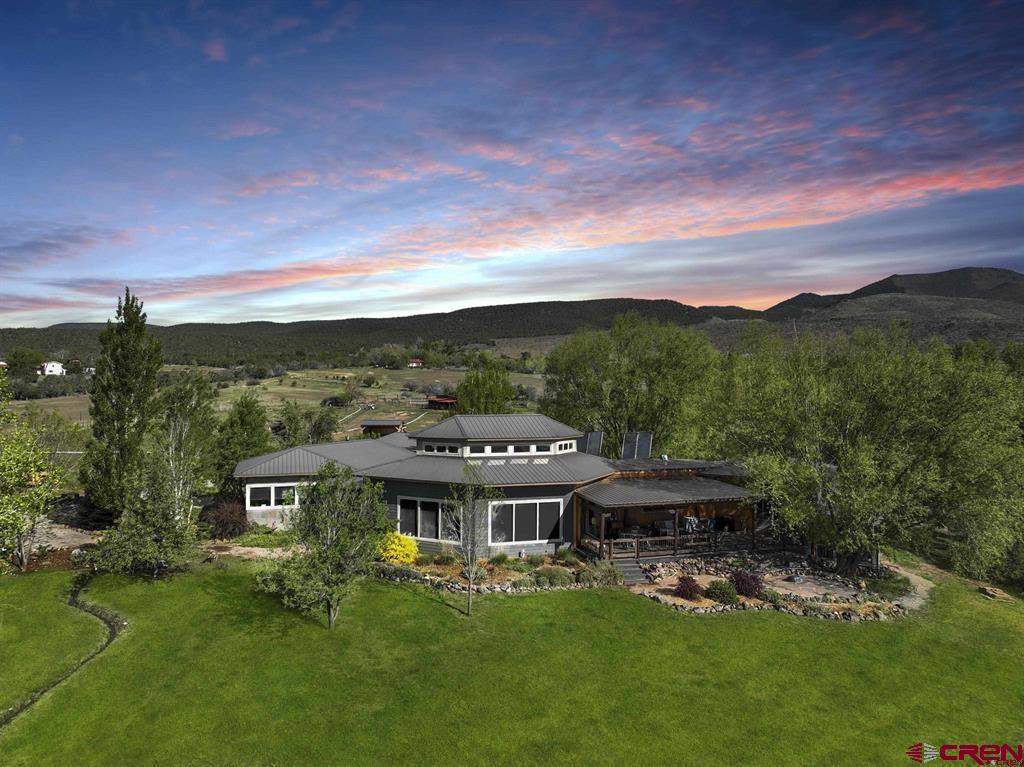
(282, 180)
(215, 49)
(858, 131)
(499, 152)
(14, 304)
(256, 280)
(343, 19)
(245, 129)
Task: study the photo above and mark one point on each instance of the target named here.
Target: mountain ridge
(959, 303)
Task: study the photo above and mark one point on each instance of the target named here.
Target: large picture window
(526, 521)
(426, 519)
(271, 496)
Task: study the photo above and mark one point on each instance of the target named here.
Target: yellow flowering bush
(399, 549)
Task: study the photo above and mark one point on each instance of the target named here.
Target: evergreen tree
(122, 408)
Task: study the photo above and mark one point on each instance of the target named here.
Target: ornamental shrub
(722, 592)
(746, 583)
(226, 519)
(399, 549)
(518, 565)
(606, 574)
(499, 559)
(772, 596)
(552, 575)
(445, 557)
(585, 577)
(425, 558)
(567, 556)
(479, 573)
(688, 588)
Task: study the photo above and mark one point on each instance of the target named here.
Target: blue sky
(271, 160)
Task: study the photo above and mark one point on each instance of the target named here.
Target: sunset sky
(280, 161)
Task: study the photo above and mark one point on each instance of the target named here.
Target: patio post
(675, 531)
(600, 545)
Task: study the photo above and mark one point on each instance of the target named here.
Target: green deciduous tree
(29, 481)
(870, 440)
(123, 406)
(465, 520)
(243, 434)
(340, 523)
(184, 440)
(24, 362)
(486, 390)
(641, 376)
(150, 538)
(299, 425)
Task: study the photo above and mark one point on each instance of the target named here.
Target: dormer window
(521, 448)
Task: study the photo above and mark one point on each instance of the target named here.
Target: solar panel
(637, 444)
(629, 445)
(591, 442)
(643, 444)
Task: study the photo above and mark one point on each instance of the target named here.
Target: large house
(554, 492)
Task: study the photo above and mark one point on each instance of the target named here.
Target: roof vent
(591, 442)
(637, 444)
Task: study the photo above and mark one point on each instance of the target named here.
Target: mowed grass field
(209, 672)
(309, 387)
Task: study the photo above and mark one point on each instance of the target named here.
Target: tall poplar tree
(123, 406)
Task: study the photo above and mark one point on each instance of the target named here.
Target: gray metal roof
(564, 469)
(660, 492)
(519, 426)
(654, 464)
(306, 460)
(382, 422)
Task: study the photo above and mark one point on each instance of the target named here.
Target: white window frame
(294, 486)
(513, 502)
(419, 500)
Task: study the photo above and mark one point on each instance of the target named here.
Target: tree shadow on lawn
(238, 603)
(454, 602)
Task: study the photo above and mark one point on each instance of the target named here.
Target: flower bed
(549, 575)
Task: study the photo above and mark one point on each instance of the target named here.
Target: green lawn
(211, 673)
(40, 635)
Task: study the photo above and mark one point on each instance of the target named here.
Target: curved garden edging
(115, 625)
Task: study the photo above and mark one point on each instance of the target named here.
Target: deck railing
(668, 545)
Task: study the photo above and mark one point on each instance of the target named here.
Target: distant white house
(415, 362)
(3, 365)
(52, 369)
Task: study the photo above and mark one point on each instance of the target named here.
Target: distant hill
(956, 304)
(971, 282)
(230, 343)
(801, 304)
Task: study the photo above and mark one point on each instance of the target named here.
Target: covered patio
(653, 517)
